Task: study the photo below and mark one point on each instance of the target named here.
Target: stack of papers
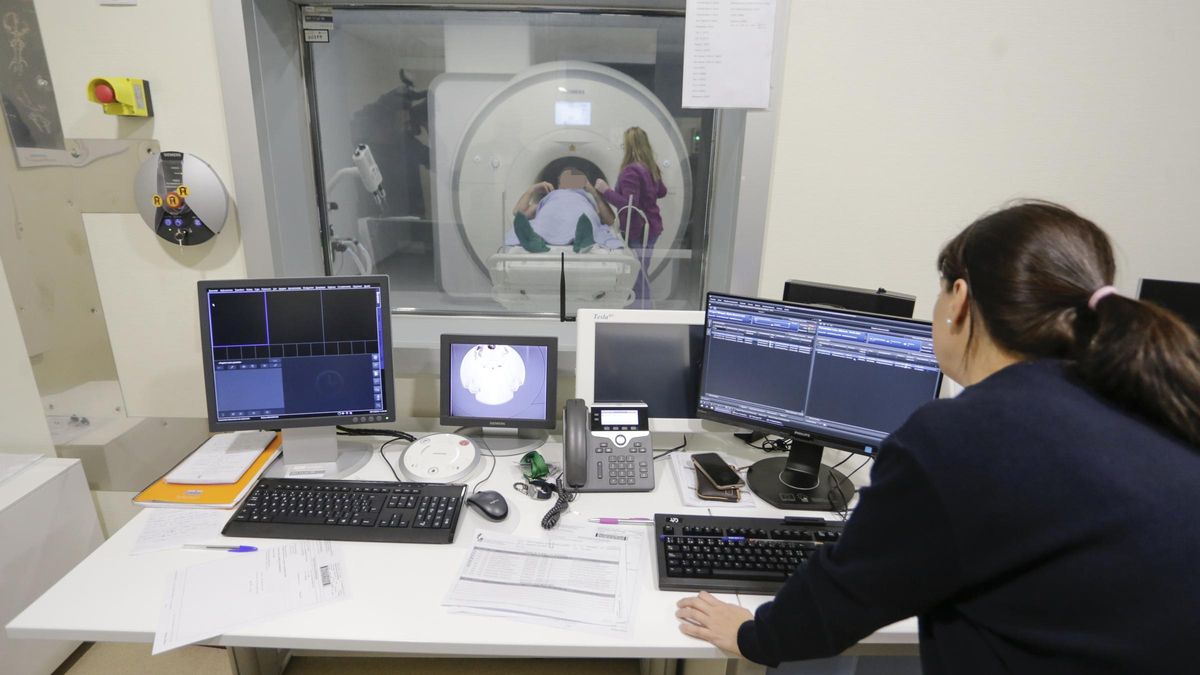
(222, 459)
(685, 479)
(168, 529)
(577, 578)
(213, 598)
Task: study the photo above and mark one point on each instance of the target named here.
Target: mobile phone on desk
(716, 470)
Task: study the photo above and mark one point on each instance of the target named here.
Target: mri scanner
(492, 136)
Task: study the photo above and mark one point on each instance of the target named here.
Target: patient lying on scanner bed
(573, 213)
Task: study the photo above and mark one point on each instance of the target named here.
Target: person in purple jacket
(640, 185)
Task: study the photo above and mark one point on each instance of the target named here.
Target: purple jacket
(636, 181)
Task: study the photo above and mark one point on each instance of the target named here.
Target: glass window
(461, 151)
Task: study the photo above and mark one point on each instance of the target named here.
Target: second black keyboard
(344, 510)
(735, 554)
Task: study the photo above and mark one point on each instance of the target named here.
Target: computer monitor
(643, 355)
(879, 301)
(822, 377)
(300, 355)
(1180, 297)
(501, 389)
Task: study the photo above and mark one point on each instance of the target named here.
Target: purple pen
(218, 547)
(622, 521)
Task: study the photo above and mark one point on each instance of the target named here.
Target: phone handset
(575, 442)
(607, 448)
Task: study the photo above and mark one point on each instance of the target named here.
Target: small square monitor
(499, 388)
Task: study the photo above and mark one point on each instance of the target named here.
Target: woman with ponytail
(1043, 521)
(639, 186)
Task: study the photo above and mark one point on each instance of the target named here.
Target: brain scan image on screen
(492, 373)
(497, 381)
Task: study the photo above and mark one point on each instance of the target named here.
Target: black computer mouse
(490, 503)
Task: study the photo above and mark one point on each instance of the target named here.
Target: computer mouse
(490, 503)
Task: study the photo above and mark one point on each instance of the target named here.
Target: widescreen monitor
(300, 355)
(500, 389)
(1180, 297)
(645, 355)
(822, 377)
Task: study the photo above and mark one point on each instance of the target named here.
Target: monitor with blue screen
(822, 377)
(300, 355)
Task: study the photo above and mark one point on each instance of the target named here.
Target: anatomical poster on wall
(30, 110)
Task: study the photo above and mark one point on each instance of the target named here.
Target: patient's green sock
(530, 241)
(583, 234)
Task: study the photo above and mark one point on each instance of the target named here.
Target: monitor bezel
(549, 420)
(387, 369)
(805, 435)
(585, 358)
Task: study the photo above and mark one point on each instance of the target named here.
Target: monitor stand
(317, 452)
(800, 481)
(505, 442)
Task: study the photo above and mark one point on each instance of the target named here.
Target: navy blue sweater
(1032, 526)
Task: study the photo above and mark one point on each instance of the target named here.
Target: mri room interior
(401, 142)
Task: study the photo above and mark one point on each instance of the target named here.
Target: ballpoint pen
(220, 547)
(622, 521)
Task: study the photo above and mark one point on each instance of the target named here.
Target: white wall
(903, 120)
(22, 426)
(146, 285)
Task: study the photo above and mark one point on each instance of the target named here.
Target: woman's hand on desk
(711, 620)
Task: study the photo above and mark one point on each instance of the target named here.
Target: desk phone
(607, 448)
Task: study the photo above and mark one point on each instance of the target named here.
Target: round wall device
(440, 458)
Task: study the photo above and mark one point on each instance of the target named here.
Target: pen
(218, 547)
(622, 521)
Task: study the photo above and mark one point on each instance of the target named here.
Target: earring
(949, 322)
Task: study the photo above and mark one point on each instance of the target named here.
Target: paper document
(685, 478)
(206, 600)
(222, 459)
(11, 464)
(167, 529)
(727, 49)
(571, 580)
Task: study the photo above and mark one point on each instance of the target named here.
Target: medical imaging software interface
(498, 381)
(307, 351)
(829, 373)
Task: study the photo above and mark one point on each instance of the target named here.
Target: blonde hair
(637, 149)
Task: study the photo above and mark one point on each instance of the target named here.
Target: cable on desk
(489, 473)
(664, 453)
(385, 459)
(565, 497)
(844, 512)
(395, 434)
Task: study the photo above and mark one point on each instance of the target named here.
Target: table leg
(255, 661)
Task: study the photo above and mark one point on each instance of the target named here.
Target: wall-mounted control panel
(181, 198)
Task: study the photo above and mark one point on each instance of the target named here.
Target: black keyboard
(344, 510)
(733, 554)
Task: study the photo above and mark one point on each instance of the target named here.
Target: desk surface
(396, 591)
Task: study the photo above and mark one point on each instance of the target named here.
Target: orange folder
(162, 493)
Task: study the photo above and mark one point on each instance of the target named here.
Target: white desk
(395, 591)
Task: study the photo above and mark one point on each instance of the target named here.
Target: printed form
(209, 599)
(570, 581)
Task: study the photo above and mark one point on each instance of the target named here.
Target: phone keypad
(627, 469)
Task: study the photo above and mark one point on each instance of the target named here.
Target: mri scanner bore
(473, 128)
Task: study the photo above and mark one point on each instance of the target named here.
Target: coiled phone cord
(565, 497)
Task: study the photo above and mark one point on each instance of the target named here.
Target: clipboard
(209, 496)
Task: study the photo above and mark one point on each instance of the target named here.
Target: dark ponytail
(1031, 270)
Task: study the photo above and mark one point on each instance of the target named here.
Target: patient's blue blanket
(556, 218)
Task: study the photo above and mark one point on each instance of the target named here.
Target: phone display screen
(619, 417)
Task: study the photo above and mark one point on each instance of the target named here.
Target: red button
(104, 93)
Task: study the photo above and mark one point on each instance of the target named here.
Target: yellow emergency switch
(127, 96)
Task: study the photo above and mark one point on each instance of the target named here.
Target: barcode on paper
(325, 577)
